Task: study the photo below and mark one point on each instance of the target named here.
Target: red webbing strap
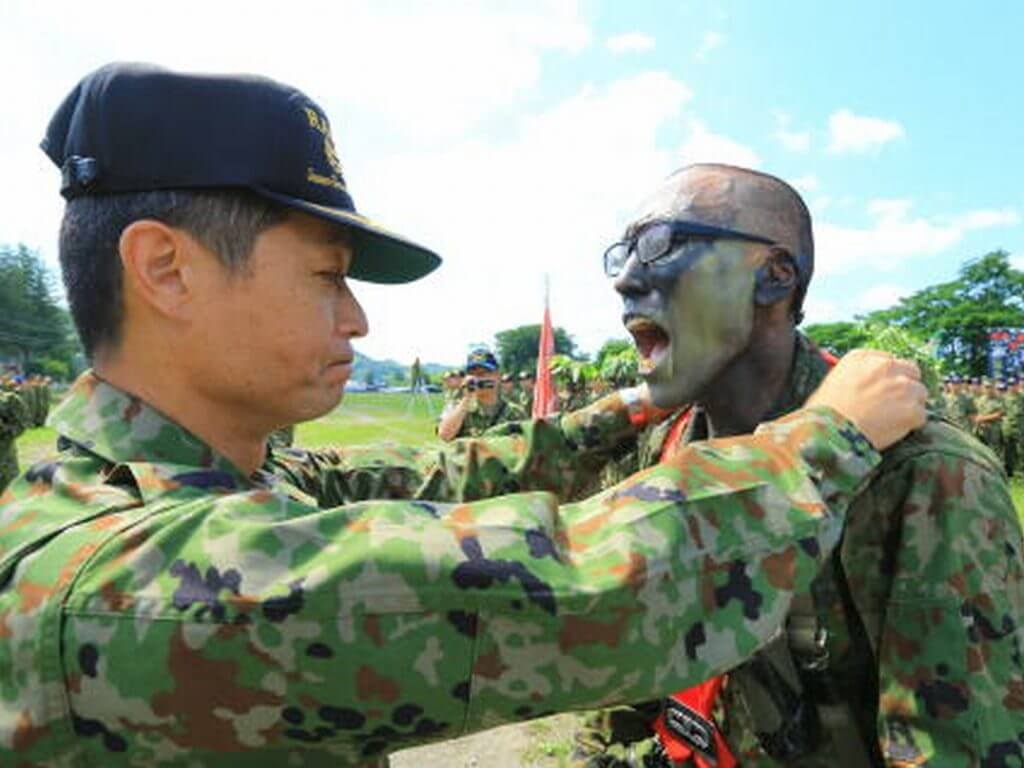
(686, 728)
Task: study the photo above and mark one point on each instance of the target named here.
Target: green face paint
(690, 314)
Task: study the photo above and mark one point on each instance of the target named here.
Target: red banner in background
(543, 387)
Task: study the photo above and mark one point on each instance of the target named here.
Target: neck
(163, 385)
(741, 395)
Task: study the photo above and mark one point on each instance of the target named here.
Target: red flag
(543, 387)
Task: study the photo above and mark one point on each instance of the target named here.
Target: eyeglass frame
(678, 227)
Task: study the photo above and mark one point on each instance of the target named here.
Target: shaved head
(740, 199)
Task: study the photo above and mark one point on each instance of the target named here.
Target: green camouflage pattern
(14, 419)
(960, 410)
(1013, 431)
(160, 608)
(282, 438)
(990, 433)
(932, 558)
(480, 418)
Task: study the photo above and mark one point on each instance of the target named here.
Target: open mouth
(652, 342)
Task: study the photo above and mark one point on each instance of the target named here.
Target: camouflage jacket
(930, 658)
(158, 607)
(14, 416)
(1013, 418)
(479, 418)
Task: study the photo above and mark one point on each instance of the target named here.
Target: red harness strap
(686, 728)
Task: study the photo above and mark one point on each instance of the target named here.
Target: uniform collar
(122, 429)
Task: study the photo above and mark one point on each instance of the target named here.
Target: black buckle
(79, 173)
(693, 728)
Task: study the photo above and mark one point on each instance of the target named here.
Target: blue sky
(516, 138)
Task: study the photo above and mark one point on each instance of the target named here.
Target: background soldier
(482, 405)
(1013, 426)
(14, 419)
(526, 384)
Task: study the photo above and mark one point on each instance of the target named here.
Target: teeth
(641, 325)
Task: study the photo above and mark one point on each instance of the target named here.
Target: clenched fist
(881, 394)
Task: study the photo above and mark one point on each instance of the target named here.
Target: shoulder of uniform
(939, 438)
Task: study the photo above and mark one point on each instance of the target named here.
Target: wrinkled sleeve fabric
(947, 546)
(558, 456)
(257, 623)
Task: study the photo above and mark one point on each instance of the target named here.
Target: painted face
(690, 313)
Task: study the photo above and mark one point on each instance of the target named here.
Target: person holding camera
(481, 405)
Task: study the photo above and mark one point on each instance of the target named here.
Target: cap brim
(380, 256)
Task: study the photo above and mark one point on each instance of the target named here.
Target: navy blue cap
(481, 358)
(138, 127)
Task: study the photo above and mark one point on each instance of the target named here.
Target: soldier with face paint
(907, 648)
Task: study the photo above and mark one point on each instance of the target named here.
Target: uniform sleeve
(557, 456)
(364, 629)
(951, 628)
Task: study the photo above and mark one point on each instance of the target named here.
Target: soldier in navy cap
(483, 404)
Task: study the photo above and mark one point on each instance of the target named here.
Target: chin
(669, 393)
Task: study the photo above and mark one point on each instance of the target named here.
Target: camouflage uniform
(990, 432)
(1013, 431)
(282, 438)
(481, 418)
(14, 419)
(960, 409)
(160, 608)
(922, 608)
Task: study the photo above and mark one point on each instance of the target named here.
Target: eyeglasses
(655, 241)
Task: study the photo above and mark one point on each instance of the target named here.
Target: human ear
(776, 278)
(155, 259)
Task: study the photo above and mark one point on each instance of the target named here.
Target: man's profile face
(277, 338)
(691, 312)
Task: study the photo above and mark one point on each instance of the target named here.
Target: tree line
(36, 334)
(954, 320)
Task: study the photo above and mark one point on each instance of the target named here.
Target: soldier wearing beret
(172, 595)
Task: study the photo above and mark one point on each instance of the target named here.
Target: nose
(350, 318)
(634, 279)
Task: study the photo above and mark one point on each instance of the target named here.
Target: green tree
(517, 347)
(838, 338)
(612, 348)
(34, 328)
(618, 363)
(957, 316)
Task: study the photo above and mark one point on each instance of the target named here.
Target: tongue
(652, 346)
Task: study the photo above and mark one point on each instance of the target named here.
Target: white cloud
(821, 310)
(547, 200)
(791, 140)
(630, 42)
(881, 296)
(895, 235)
(860, 134)
(1017, 261)
(704, 146)
(708, 43)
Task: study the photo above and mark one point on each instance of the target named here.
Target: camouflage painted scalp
(158, 608)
